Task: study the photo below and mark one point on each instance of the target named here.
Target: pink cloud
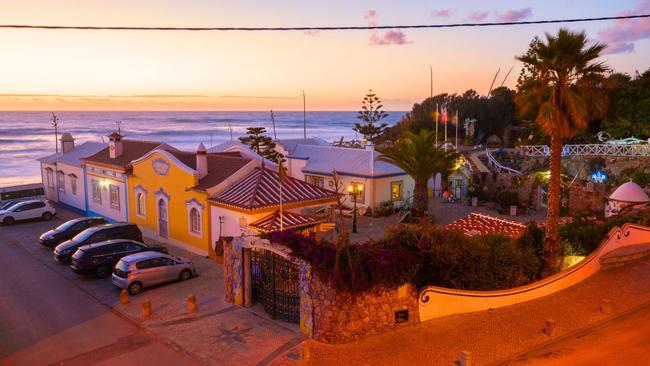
(442, 13)
(391, 37)
(515, 15)
(477, 15)
(620, 37)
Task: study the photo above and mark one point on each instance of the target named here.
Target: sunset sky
(129, 70)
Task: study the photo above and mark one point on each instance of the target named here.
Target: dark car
(95, 234)
(100, 258)
(68, 230)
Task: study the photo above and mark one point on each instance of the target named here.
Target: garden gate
(275, 283)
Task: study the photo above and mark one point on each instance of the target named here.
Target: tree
(418, 155)
(564, 91)
(371, 113)
(260, 143)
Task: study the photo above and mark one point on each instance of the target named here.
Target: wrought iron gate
(275, 284)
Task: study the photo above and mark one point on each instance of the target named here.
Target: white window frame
(140, 210)
(194, 204)
(114, 204)
(49, 174)
(97, 191)
(60, 181)
(73, 183)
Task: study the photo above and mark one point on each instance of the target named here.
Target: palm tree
(418, 155)
(563, 90)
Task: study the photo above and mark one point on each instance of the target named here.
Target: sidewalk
(494, 335)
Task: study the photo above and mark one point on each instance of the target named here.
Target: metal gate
(275, 284)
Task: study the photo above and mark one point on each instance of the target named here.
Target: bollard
(549, 328)
(124, 297)
(606, 306)
(305, 352)
(465, 358)
(146, 309)
(191, 303)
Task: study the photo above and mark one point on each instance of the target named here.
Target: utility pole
(304, 115)
(119, 127)
(55, 124)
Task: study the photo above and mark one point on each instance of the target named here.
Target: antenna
(505, 78)
(493, 80)
(55, 124)
(275, 136)
(304, 115)
(119, 126)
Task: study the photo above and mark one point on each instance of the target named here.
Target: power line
(318, 28)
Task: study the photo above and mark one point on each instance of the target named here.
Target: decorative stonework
(160, 166)
(161, 194)
(306, 303)
(233, 271)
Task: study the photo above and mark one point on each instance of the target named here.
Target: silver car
(137, 271)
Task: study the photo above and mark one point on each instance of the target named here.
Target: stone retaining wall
(341, 317)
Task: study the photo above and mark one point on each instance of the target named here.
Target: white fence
(589, 150)
(498, 167)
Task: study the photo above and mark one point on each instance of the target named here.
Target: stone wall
(589, 197)
(342, 317)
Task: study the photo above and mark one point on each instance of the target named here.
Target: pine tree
(263, 145)
(371, 112)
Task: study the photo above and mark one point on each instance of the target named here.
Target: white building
(627, 196)
(107, 172)
(64, 174)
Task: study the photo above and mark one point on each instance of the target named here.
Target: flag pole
(446, 123)
(437, 116)
(456, 129)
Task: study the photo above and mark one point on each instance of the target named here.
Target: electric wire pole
(55, 124)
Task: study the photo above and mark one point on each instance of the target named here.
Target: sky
(130, 70)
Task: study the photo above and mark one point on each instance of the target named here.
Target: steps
(625, 255)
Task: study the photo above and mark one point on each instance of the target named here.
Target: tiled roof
(290, 220)
(480, 224)
(260, 189)
(220, 166)
(73, 157)
(291, 144)
(131, 150)
(243, 149)
(344, 160)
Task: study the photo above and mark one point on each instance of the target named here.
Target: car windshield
(82, 236)
(66, 225)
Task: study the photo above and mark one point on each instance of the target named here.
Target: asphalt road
(46, 319)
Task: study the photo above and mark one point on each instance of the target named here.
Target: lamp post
(355, 190)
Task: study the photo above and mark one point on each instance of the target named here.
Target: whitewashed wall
(67, 196)
(104, 208)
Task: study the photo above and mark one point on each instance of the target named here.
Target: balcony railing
(589, 150)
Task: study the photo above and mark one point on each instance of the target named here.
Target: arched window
(140, 204)
(195, 221)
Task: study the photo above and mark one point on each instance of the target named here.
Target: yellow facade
(160, 201)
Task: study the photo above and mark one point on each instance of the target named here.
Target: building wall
(68, 197)
(173, 184)
(50, 192)
(106, 177)
(382, 190)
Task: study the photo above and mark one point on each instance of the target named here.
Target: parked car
(25, 210)
(123, 230)
(137, 271)
(100, 258)
(68, 230)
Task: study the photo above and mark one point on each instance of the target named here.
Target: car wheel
(8, 220)
(47, 216)
(102, 271)
(185, 275)
(135, 288)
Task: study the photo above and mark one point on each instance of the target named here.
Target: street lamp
(355, 190)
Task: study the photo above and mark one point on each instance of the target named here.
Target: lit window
(97, 191)
(60, 181)
(140, 204)
(115, 196)
(195, 221)
(396, 191)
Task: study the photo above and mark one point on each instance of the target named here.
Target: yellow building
(168, 192)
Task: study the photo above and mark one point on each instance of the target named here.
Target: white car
(31, 209)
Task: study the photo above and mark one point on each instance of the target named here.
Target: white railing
(589, 150)
(498, 167)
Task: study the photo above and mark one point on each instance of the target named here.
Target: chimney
(202, 161)
(115, 145)
(67, 142)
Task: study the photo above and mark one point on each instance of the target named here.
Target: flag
(454, 119)
(443, 117)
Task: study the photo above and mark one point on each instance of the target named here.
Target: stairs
(625, 255)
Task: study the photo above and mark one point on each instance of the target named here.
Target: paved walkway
(491, 336)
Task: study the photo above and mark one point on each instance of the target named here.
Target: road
(621, 341)
(46, 319)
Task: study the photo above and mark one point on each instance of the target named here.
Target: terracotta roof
(220, 166)
(290, 220)
(480, 224)
(260, 189)
(131, 150)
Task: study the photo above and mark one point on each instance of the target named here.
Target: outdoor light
(355, 190)
(103, 183)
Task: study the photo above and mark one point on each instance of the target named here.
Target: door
(275, 282)
(162, 218)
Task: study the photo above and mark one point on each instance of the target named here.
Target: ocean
(26, 136)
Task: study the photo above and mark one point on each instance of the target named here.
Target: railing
(498, 167)
(590, 150)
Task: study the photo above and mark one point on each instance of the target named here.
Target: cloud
(391, 37)
(442, 13)
(620, 37)
(515, 15)
(312, 33)
(477, 15)
(370, 14)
